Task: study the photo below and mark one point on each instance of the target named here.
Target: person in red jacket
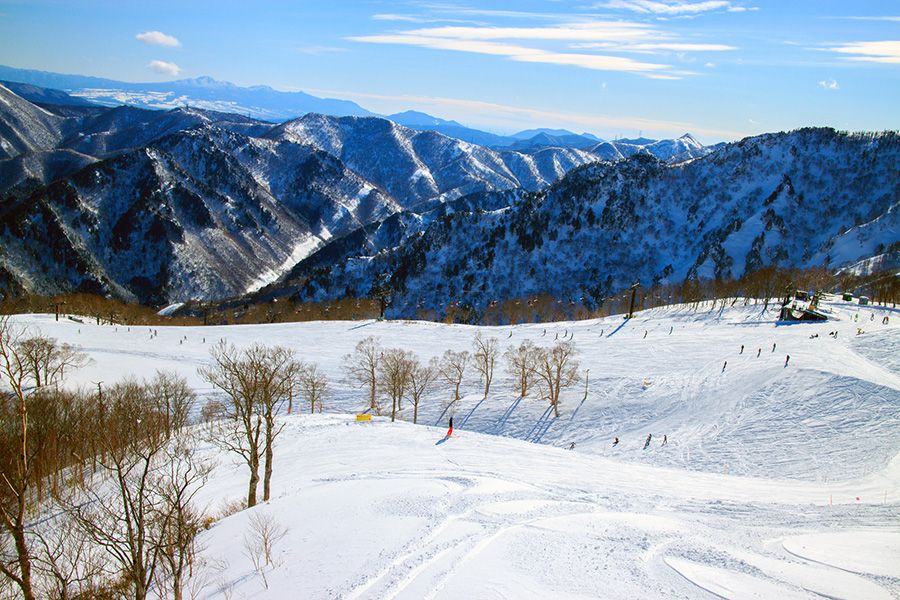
(450, 431)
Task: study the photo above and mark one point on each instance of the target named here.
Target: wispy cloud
(607, 36)
(655, 47)
(870, 18)
(158, 38)
(164, 68)
(887, 51)
(320, 50)
(514, 52)
(672, 7)
(829, 84)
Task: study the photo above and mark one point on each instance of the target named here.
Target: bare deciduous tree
(362, 367)
(452, 369)
(119, 512)
(18, 451)
(69, 563)
(485, 356)
(521, 363)
(255, 382)
(46, 360)
(393, 376)
(173, 398)
(181, 477)
(259, 543)
(420, 379)
(557, 369)
(313, 385)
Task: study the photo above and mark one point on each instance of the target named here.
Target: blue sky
(721, 69)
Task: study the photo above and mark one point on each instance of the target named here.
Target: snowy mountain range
(806, 198)
(158, 206)
(263, 102)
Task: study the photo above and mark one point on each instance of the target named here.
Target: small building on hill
(802, 309)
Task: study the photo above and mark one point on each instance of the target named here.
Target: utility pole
(587, 376)
(634, 288)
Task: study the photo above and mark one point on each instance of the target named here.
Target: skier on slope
(742, 349)
(787, 360)
(450, 431)
(615, 442)
(647, 443)
(725, 365)
(665, 440)
(758, 352)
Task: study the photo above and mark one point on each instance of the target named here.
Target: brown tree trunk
(267, 471)
(254, 479)
(18, 534)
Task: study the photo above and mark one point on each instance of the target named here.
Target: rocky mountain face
(806, 198)
(188, 203)
(161, 206)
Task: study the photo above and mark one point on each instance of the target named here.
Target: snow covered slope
(776, 480)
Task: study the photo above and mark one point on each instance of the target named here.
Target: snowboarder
(742, 349)
(572, 446)
(725, 365)
(615, 442)
(450, 431)
(787, 360)
(510, 335)
(884, 321)
(647, 443)
(665, 441)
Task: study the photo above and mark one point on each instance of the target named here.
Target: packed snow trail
(377, 511)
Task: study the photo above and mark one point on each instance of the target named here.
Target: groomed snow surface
(776, 482)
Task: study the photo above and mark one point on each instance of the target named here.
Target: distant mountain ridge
(154, 205)
(261, 102)
(162, 206)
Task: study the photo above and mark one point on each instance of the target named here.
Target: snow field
(754, 496)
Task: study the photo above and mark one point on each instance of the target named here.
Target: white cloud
(515, 52)
(881, 18)
(610, 37)
(671, 7)
(320, 50)
(829, 84)
(164, 68)
(887, 51)
(656, 46)
(158, 38)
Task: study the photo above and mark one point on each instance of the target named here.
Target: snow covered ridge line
(788, 200)
(163, 206)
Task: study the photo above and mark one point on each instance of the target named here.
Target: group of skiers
(759, 352)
